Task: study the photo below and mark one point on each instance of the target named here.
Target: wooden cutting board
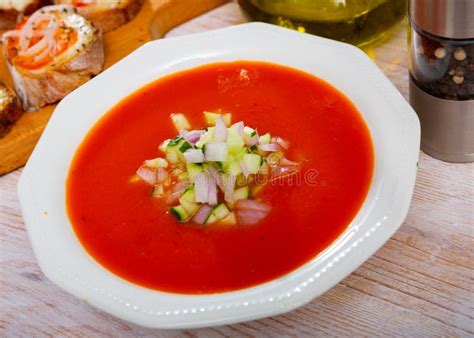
(156, 16)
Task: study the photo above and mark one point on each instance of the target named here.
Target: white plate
(393, 124)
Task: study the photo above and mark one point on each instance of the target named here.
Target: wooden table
(421, 282)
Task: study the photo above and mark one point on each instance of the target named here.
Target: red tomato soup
(136, 238)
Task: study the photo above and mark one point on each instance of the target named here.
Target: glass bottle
(359, 22)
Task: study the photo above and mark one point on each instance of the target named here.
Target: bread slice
(39, 83)
(10, 108)
(12, 10)
(106, 15)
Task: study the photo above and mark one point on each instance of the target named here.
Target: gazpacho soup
(219, 178)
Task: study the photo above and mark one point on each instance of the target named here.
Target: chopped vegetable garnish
(209, 175)
(180, 122)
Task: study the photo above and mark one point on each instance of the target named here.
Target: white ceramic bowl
(393, 124)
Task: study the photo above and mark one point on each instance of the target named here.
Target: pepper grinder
(441, 61)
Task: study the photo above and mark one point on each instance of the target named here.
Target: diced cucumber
(250, 132)
(172, 156)
(265, 139)
(173, 152)
(180, 122)
(232, 168)
(218, 213)
(190, 207)
(188, 201)
(241, 194)
(180, 213)
(229, 220)
(188, 195)
(253, 162)
(235, 143)
(174, 141)
(193, 170)
(156, 162)
(207, 137)
(163, 145)
(212, 117)
(185, 146)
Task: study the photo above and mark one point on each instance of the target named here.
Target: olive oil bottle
(359, 22)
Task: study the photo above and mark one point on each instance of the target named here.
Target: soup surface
(136, 238)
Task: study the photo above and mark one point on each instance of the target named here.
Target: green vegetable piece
(193, 170)
(265, 139)
(218, 213)
(188, 201)
(174, 141)
(185, 146)
(253, 162)
(235, 143)
(188, 195)
(208, 137)
(241, 194)
(180, 213)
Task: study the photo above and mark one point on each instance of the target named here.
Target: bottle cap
(452, 19)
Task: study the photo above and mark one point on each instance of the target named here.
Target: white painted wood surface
(420, 283)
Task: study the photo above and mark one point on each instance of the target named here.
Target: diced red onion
(281, 142)
(251, 212)
(177, 192)
(147, 174)
(250, 217)
(183, 185)
(221, 130)
(244, 168)
(201, 188)
(269, 147)
(202, 214)
(229, 183)
(193, 156)
(239, 127)
(212, 192)
(216, 152)
(216, 177)
(192, 136)
(161, 174)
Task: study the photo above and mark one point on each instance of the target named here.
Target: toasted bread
(10, 109)
(50, 81)
(106, 15)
